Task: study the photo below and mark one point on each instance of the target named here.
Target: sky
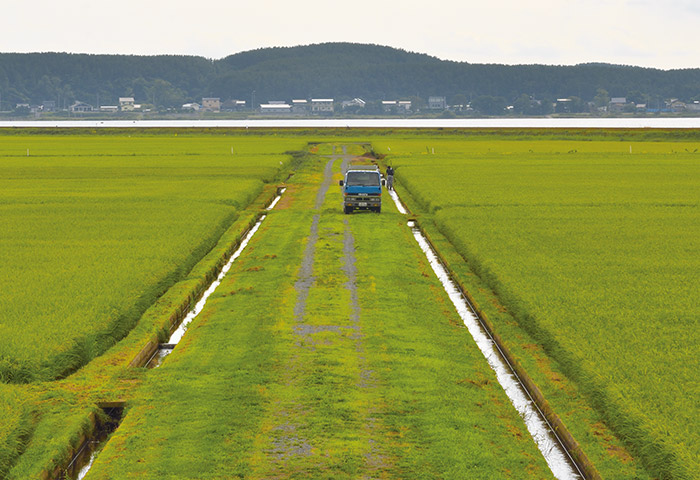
(650, 33)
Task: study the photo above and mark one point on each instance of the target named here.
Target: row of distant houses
(306, 106)
(126, 104)
(329, 105)
(621, 105)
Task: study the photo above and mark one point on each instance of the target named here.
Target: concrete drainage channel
(164, 349)
(85, 454)
(82, 460)
(561, 452)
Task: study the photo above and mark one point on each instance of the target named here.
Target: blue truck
(362, 188)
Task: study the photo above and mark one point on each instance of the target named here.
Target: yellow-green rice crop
(594, 245)
(94, 228)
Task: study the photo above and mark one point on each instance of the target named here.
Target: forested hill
(332, 70)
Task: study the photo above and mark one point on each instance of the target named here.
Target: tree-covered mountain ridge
(330, 70)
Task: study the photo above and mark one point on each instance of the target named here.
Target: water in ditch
(177, 335)
(554, 453)
(82, 461)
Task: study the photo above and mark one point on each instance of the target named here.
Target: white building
(126, 104)
(81, 107)
(300, 105)
(355, 102)
(277, 108)
(233, 105)
(389, 105)
(437, 103)
(321, 105)
(693, 107)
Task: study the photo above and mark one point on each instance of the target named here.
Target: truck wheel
(348, 210)
(378, 209)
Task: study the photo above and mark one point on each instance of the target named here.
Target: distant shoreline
(660, 123)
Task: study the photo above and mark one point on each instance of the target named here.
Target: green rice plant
(594, 249)
(15, 428)
(98, 227)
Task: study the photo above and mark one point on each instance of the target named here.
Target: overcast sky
(652, 33)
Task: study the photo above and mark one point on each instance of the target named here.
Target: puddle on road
(554, 453)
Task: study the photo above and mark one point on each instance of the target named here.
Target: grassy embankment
(263, 388)
(594, 250)
(100, 227)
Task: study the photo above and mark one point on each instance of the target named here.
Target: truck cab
(362, 188)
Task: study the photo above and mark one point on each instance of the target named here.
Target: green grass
(16, 425)
(595, 252)
(102, 226)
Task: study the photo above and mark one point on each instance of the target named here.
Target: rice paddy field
(593, 246)
(94, 229)
(330, 349)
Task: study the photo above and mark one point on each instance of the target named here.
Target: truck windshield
(364, 179)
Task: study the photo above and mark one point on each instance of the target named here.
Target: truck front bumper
(362, 202)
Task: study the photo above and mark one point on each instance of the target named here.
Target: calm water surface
(374, 123)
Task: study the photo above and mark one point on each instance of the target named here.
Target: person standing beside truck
(362, 188)
(389, 178)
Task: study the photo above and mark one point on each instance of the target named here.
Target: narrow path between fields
(289, 442)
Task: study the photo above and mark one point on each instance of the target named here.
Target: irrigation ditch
(104, 422)
(153, 353)
(560, 449)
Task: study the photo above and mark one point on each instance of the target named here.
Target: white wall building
(126, 104)
(277, 108)
(322, 105)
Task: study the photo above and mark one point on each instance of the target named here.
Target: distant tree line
(332, 70)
